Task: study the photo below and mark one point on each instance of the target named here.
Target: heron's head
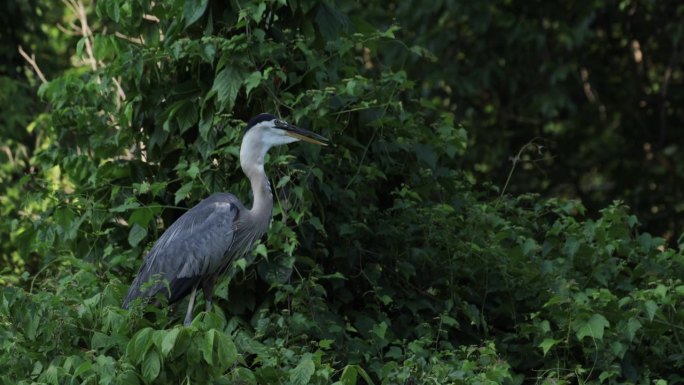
(272, 131)
(265, 131)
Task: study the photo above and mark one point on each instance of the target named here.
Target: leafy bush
(600, 84)
(384, 263)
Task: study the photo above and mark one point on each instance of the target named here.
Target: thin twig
(120, 93)
(78, 8)
(515, 162)
(136, 40)
(66, 31)
(87, 34)
(149, 17)
(32, 61)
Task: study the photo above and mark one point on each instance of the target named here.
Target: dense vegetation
(411, 251)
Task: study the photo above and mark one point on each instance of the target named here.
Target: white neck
(252, 153)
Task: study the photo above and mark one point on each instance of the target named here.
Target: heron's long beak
(302, 134)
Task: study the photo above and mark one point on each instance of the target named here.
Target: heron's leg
(208, 289)
(191, 305)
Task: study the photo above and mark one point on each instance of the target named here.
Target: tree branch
(32, 61)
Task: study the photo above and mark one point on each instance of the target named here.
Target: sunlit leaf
(193, 10)
(302, 373)
(136, 234)
(593, 327)
(226, 86)
(151, 365)
(169, 341)
(183, 192)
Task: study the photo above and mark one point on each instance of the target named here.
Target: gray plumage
(203, 243)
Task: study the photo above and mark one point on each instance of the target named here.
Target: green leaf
(83, 368)
(139, 344)
(141, 216)
(571, 247)
(207, 346)
(105, 369)
(193, 10)
(258, 14)
(349, 375)
(136, 234)
(169, 341)
(651, 309)
(661, 291)
(226, 86)
(252, 81)
(129, 204)
(186, 115)
(50, 376)
(362, 372)
(283, 181)
(632, 221)
(426, 154)
(679, 289)
(113, 10)
(330, 21)
(241, 264)
(243, 376)
(618, 349)
(99, 340)
(183, 192)
(227, 352)
(529, 247)
(275, 271)
(594, 327)
(646, 241)
(547, 344)
(193, 170)
(302, 373)
(151, 366)
(261, 250)
(325, 344)
(380, 329)
(128, 377)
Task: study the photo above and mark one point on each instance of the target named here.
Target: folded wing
(193, 247)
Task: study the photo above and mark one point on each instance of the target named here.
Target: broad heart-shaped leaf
(276, 270)
(593, 327)
(547, 344)
(632, 326)
(529, 246)
(139, 344)
(136, 234)
(182, 192)
(226, 87)
(227, 352)
(207, 346)
(349, 375)
(50, 375)
(193, 10)
(151, 366)
(253, 81)
(651, 309)
(302, 373)
(169, 341)
(330, 21)
(186, 115)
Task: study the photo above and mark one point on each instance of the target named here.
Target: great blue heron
(201, 245)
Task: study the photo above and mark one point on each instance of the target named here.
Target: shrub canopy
(390, 258)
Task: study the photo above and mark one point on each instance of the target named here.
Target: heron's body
(201, 245)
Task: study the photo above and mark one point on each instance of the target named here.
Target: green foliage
(384, 264)
(29, 26)
(600, 84)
